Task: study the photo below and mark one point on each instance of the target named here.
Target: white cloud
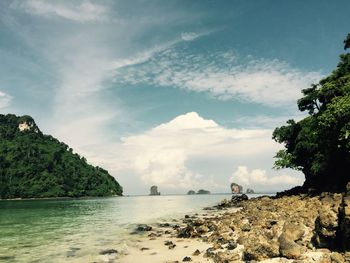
(189, 36)
(83, 12)
(5, 100)
(223, 75)
(161, 155)
(259, 180)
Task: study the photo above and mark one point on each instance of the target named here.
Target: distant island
(34, 165)
(200, 192)
(154, 190)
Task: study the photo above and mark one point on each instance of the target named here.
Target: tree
(319, 145)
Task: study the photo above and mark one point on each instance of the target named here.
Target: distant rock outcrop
(203, 192)
(236, 188)
(154, 190)
(250, 191)
(191, 192)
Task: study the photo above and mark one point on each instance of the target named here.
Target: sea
(77, 230)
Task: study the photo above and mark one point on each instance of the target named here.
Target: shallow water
(77, 230)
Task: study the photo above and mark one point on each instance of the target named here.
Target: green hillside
(34, 165)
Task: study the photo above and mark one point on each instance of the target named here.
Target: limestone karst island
(174, 131)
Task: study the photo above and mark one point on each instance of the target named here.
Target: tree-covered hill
(34, 165)
(319, 145)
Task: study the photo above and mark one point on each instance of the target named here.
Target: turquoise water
(76, 230)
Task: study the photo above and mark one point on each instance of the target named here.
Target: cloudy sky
(181, 94)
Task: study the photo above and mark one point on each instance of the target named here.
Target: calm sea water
(77, 230)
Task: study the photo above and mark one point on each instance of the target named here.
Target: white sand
(158, 252)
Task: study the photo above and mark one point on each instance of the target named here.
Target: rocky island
(236, 188)
(154, 190)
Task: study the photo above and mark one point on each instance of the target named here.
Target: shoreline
(261, 229)
(112, 196)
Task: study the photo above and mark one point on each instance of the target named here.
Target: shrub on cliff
(319, 145)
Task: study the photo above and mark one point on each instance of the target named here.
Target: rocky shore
(297, 228)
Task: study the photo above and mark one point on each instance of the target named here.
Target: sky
(179, 94)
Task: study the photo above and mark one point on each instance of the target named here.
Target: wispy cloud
(224, 76)
(5, 100)
(83, 12)
(189, 36)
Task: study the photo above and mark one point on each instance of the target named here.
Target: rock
(154, 190)
(237, 199)
(209, 252)
(288, 247)
(344, 222)
(164, 225)
(202, 229)
(108, 251)
(144, 248)
(187, 216)
(260, 249)
(172, 246)
(231, 245)
(236, 188)
(224, 203)
(196, 253)
(168, 243)
(143, 228)
(246, 227)
(186, 232)
(337, 258)
(250, 191)
(186, 259)
(326, 224)
(227, 257)
(191, 192)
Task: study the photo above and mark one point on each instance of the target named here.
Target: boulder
(291, 233)
(237, 199)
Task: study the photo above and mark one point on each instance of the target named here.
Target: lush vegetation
(36, 165)
(319, 145)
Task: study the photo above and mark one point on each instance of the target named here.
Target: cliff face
(34, 165)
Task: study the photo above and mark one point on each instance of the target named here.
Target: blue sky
(182, 94)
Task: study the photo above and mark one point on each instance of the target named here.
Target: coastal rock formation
(191, 192)
(236, 188)
(302, 228)
(154, 190)
(250, 191)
